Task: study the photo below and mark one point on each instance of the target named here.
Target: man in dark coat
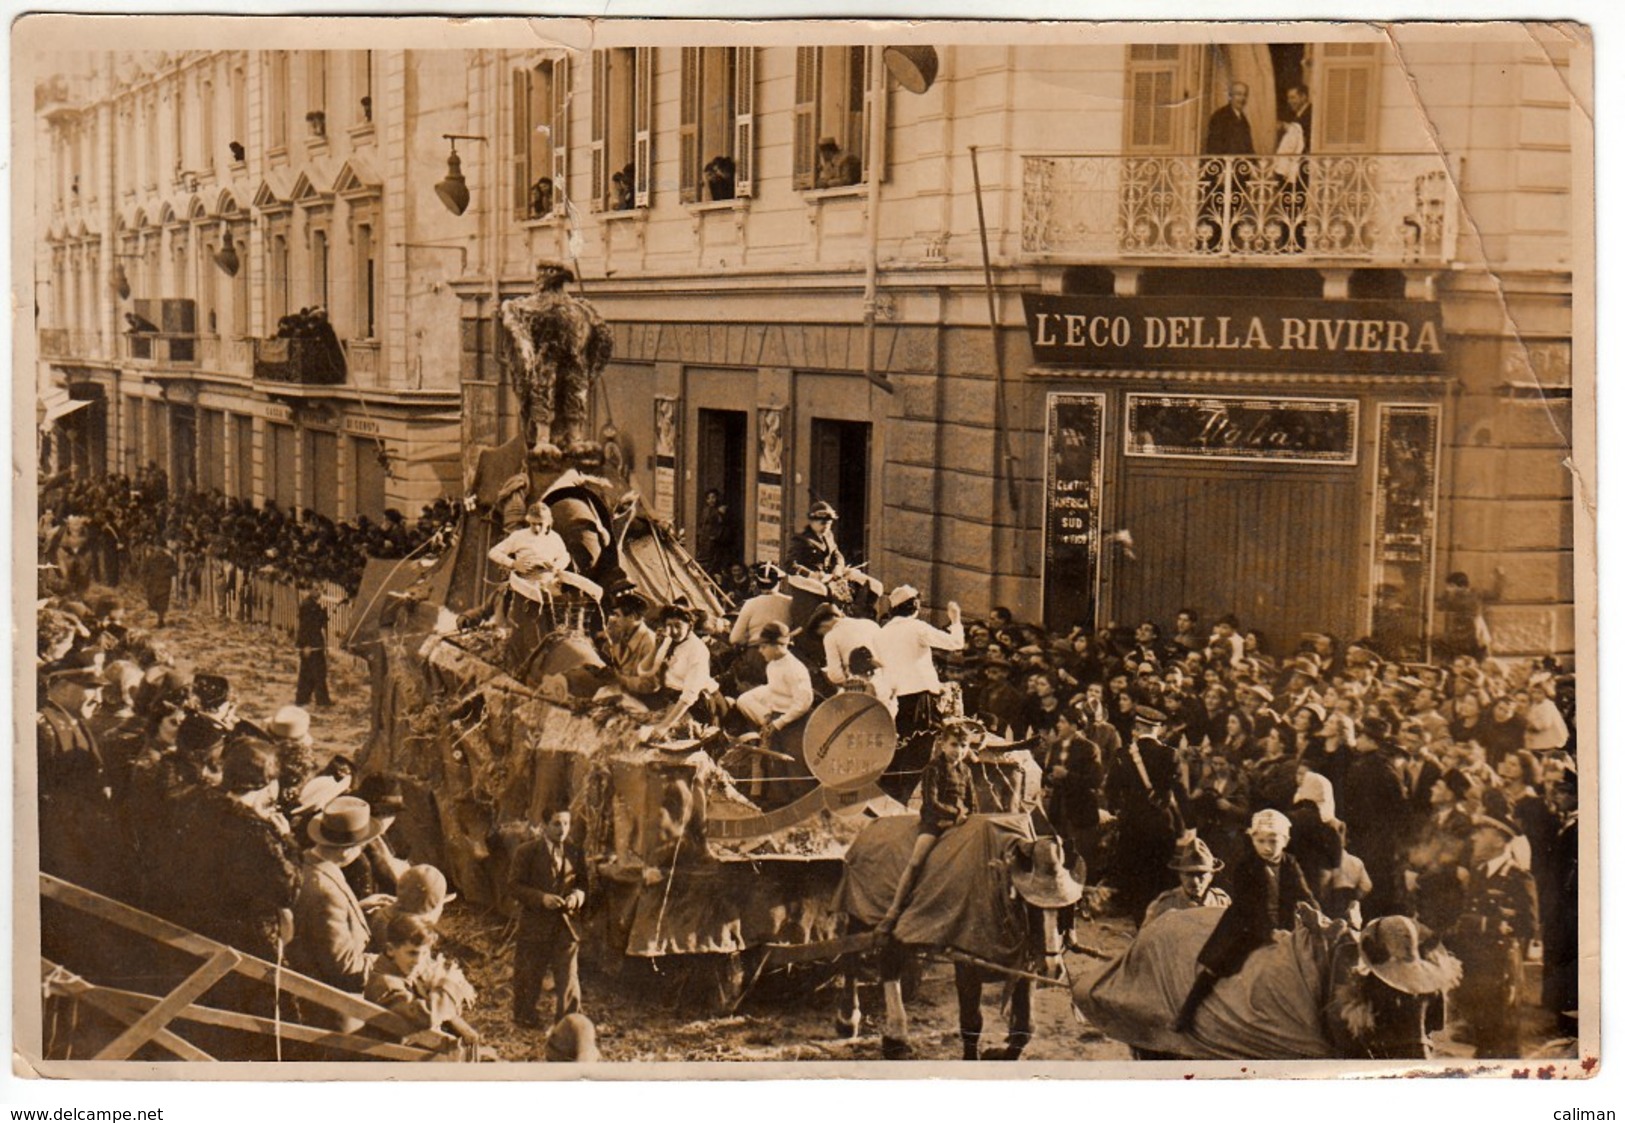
(311, 639)
(1374, 808)
(1073, 773)
(813, 549)
(158, 580)
(1228, 133)
(1143, 789)
(548, 878)
(1265, 891)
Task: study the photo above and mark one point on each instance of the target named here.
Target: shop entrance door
(1279, 548)
(721, 456)
(839, 474)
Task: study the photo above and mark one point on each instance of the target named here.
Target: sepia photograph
(702, 550)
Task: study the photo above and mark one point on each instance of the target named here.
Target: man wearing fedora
(1195, 865)
(311, 639)
(548, 879)
(330, 930)
(1268, 886)
(813, 549)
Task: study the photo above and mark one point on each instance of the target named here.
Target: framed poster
(1072, 448)
(1405, 516)
(769, 484)
(667, 420)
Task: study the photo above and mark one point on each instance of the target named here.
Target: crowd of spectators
(123, 514)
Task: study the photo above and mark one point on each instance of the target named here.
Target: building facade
(1300, 385)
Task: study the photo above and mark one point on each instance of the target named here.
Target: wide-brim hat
(1390, 949)
(346, 821)
(1306, 665)
(573, 1039)
(320, 790)
(1191, 855)
(1047, 885)
(291, 723)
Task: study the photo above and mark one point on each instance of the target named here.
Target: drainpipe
(871, 276)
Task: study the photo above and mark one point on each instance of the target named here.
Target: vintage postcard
(661, 549)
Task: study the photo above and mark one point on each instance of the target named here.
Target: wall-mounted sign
(1072, 448)
(1200, 427)
(365, 426)
(1235, 333)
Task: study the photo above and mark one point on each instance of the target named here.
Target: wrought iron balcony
(1389, 210)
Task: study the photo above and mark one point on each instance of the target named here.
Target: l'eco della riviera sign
(1235, 332)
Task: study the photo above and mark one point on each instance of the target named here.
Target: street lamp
(226, 257)
(453, 190)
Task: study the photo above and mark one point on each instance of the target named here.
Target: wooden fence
(222, 589)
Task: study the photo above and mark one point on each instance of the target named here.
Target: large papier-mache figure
(563, 344)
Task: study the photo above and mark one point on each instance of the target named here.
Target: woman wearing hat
(1195, 865)
(242, 869)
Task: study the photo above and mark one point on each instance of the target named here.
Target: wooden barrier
(147, 1018)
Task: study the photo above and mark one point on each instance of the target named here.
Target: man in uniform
(1498, 916)
(813, 549)
(1195, 865)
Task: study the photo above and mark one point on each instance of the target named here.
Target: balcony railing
(225, 355)
(307, 361)
(363, 356)
(1358, 209)
(161, 348)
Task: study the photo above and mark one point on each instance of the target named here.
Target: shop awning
(56, 405)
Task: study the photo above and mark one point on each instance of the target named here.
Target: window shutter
(871, 113)
(643, 125)
(560, 133)
(521, 144)
(806, 117)
(688, 127)
(1346, 109)
(744, 120)
(1152, 99)
(600, 128)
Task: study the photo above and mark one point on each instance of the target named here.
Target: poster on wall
(666, 437)
(769, 484)
(1405, 512)
(1072, 447)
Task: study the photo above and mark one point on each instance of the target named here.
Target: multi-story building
(1308, 383)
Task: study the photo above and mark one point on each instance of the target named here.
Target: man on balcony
(1228, 134)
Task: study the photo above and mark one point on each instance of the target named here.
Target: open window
(541, 140)
(622, 128)
(834, 113)
(718, 128)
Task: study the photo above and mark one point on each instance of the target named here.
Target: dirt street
(641, 1008)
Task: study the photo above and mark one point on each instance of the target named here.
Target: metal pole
(993, 337)
(871, 276)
